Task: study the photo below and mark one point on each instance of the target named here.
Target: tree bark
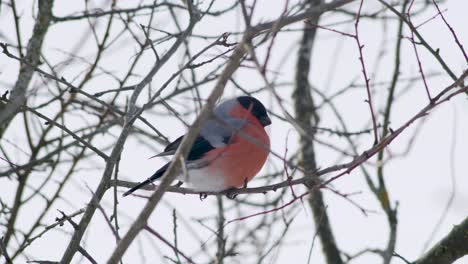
(18, 94)
(33, 54)
(307, 117)
(450, 248)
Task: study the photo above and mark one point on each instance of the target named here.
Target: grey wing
(216, 131)
(213, 134)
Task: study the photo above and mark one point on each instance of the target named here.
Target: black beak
(265, 120)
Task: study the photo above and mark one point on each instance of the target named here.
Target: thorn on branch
(4, 48)
(69, 220)
(222, 41)
(59, 220)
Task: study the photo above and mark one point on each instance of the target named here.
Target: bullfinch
(229, 151)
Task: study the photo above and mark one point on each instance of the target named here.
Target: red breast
(245, 154)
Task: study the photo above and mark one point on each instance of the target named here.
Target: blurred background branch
(101, 86)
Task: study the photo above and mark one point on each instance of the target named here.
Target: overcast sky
(420, 182)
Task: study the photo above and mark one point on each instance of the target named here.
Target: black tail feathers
(151, 179)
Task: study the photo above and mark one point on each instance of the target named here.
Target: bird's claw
(231, 193)
(179, 183)
(203, 196)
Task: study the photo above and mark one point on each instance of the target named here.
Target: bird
(230, 149)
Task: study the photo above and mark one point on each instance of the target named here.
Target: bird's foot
(203, 196)
(231, 193)
(179, 183)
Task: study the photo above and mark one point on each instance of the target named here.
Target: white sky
(420, 181)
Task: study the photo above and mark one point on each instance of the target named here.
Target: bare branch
(33, 53)
(452, 247)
